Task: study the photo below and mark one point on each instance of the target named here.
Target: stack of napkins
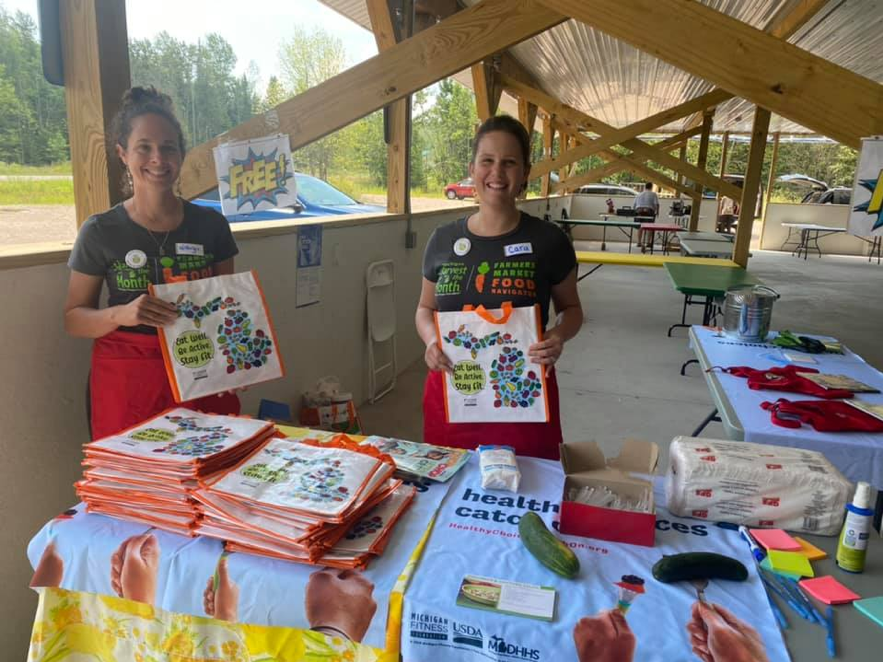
(331, 503)
(146, 473)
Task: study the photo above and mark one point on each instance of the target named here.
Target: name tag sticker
(189, 249)
(518, 249)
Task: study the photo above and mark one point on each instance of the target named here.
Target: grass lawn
(14, 169)
(37, 192)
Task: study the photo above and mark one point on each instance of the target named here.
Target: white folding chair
(380, 278)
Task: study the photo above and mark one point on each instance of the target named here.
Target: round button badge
(462, 246)
(136, 258)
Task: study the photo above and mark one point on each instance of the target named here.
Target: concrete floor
(619, 377)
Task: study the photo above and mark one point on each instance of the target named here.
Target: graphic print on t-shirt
(451, 276)
(167, 268)
(508, 278)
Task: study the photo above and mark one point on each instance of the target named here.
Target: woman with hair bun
(151, 237)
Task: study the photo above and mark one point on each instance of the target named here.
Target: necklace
(159, 245)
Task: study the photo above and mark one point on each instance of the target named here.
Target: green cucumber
(547, 549)
(699, 565)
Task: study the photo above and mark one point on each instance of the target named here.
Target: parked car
(465, 188)
(816, 191)
(314, 198)
(605, 189)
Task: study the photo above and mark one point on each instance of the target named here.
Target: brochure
(438, 463)
(507, 597)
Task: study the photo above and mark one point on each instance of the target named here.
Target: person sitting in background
(647, 205)
(727, 212)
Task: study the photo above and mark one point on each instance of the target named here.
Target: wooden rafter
(527, 115)
(486, 85)
(619, 163)
(783, 25)
(639, 147)
(446, 48)
(548, 138)
(617, 136)
(398, 199)
(746, 61)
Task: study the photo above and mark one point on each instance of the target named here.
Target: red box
(585, 465)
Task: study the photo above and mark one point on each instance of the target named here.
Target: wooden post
(96, 73)
(548, 137)
(707, 121)
(724, 153)
(751, 186)
(398, 120)
(772, 176)
(682, 155)
(487, 88)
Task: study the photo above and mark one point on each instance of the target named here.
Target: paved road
(33, 178)
(25, 224)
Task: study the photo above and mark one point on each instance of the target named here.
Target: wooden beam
(639, 147)
(527, 115)
(486, 85)
(457, 42)
(398, 119)
(96, 73)
(751, 186)
(788, 21)
(783, 25)
(701, 160)
(725, 144)
(611, 136)
(512, 68)
(761, 68)
(771, 179)
(548, 138)
(682, 156)
(618, 163)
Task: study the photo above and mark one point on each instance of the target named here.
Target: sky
(254, 28)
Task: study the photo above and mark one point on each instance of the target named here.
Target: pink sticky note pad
(828, 590)
(775, 539)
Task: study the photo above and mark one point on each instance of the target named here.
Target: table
(859, 456)
(705, 248)
(810, 233)
(568, 224)
(706, 236)
(430, 626)
(438, 630)
(706, 281)
(667, 229)
(85, 542)
(682, 219)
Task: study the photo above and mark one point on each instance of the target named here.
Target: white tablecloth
(858, 455)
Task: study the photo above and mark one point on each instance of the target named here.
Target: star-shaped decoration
(871, 185)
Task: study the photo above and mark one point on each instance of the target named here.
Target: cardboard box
(585, 465)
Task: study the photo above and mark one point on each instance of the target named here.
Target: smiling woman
(152, 237)
(498, 255)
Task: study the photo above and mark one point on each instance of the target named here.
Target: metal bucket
(747, 312)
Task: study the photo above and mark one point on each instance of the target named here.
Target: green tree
(307, 59)
(448, 128)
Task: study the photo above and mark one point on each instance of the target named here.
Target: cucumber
(547, 549)
(699, 565)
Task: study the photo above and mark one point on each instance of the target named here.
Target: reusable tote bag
(493, 379)
(223, 338)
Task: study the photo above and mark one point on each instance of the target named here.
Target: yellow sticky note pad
(766, 565)
(791, 562)
(810, 551)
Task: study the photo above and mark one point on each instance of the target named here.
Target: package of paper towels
(755, 485)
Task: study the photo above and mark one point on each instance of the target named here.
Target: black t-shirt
(520, 266)
(112, 245)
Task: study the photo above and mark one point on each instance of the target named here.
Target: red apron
(532, 439)
(128, 384)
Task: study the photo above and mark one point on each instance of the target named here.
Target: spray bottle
(853, 543)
